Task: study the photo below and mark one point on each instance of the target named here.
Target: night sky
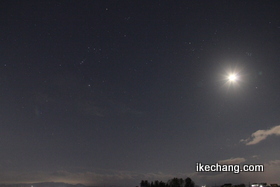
(115, 92)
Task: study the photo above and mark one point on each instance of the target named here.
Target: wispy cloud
(68, 92)
(95, 178)
(261, 135)
(273, 163)
(232, 161)
(256, 156)
(132, 178)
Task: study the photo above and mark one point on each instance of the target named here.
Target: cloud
(115, 178)
(92, 178)
(261, 135)
(232, 161)
(256, 156)
(68, 92)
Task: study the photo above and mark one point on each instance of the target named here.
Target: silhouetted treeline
(240, 185)
(230, 185)
(175, 182)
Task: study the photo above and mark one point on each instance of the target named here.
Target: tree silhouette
(189, 182)
(145, 183)
(175, 182)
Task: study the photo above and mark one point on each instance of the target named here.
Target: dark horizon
(63, 184)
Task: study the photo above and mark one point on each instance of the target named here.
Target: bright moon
(232, 77)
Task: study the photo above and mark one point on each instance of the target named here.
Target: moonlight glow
(232, 77)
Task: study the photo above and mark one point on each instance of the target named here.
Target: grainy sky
(113, 92)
